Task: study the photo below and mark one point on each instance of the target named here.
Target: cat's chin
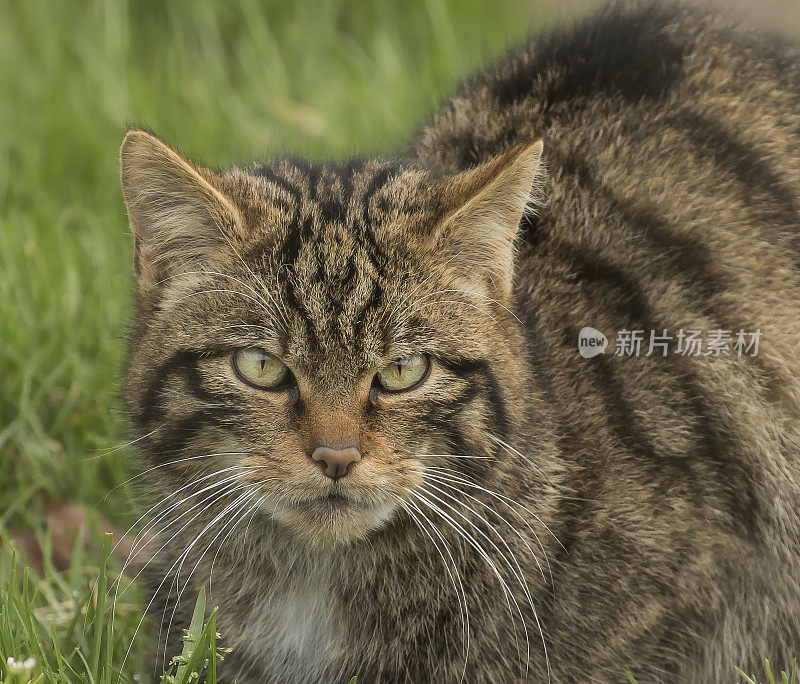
(332, 520)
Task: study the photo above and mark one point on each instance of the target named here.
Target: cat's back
(672, 204)
(633, 60)
(671, 139)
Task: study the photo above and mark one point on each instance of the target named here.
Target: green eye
(404, 373)
(260, 368)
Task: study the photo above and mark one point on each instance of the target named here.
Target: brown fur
(635, 513)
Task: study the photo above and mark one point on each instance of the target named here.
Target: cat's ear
(482, 211)
(178, 211)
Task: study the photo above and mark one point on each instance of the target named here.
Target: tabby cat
(368, 423)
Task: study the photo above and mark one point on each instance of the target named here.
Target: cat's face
(312, 339)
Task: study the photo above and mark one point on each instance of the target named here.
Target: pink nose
(335, 463)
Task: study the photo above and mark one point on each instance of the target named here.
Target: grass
(224, 82)
(74, 640)
(790, 677)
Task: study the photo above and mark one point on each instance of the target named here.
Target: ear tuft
(483, 208)
(177, 210)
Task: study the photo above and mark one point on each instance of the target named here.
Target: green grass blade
(770, 676)
(748, 679)
(201, 653)
(193, 634)
(100, 610)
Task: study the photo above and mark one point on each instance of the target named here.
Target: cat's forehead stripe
(332, 267)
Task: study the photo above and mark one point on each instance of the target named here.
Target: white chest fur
(290, 633)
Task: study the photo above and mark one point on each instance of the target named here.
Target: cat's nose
(335, 463)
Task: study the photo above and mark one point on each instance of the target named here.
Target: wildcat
(362, 412)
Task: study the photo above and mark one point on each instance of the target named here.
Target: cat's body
(643, 512)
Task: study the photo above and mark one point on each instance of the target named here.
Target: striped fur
(643, 513)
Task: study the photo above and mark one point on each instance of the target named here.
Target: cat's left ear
(178, 211)
(482, 210)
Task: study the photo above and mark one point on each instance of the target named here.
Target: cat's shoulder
(629, 52)
(630, 48)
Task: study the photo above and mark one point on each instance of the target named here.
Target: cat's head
(311, 339)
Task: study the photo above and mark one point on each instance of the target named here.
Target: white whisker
(122, 446)
(251, 513)
(223, 275)
(434, 272)
(169, 463)
(220, 490)
(445, 475)
(518, 573)
(470, 483)
(233, 508)
(143, 532)
(473, 294)
(516, 452)
(467, 456)
(235, 488)
(460, 592)
(213, 290)
(444, 483)
(459, 529)
(460, 303)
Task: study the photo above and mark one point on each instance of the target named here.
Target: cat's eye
(403, 374)
(260, 368)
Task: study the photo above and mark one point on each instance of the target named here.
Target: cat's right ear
(178, 212)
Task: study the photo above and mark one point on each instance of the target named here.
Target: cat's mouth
(332, 503)
(333, 516)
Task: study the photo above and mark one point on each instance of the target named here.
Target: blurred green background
(228, 81)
